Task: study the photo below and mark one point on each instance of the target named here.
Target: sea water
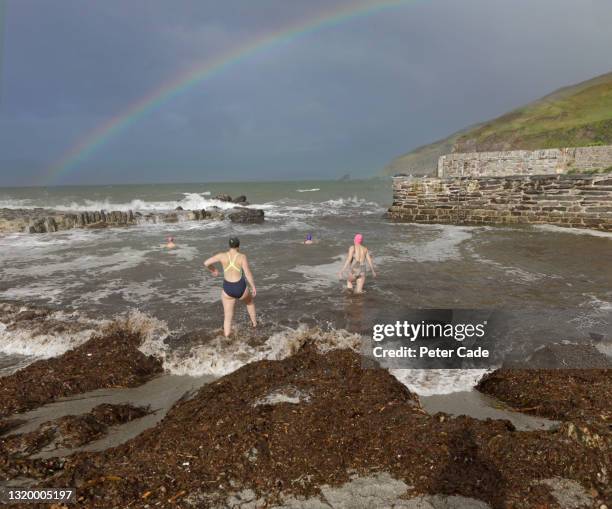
(559, 282)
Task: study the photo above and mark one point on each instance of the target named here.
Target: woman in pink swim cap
(356, 260)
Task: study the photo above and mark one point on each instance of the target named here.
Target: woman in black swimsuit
(236, 273)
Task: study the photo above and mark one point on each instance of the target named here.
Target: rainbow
(176, 86)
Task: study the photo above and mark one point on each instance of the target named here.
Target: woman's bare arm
(349, 258)
(210, 264)
(369, 258)
(249, 275)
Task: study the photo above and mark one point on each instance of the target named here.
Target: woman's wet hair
(234, 242)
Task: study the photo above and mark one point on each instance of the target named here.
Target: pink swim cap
(358, 238)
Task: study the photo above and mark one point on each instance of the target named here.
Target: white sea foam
(517, 274)
(51, 292)
(443, 244)
(190, 201)
(283, 207)
(597, 303)
(152, 330)
(573, 231)
(220, 355)
(16, 245)
(123, 259)
(305, 210)
(427, 382)
(41, 346)
(185, 253)
(41, 340)
(318, 276)
(271, 226)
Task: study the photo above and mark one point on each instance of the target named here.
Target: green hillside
(570, 117)
(422, 160)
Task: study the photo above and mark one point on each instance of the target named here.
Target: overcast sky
(346, 98)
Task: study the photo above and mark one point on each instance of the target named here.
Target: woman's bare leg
(247, 298)
(228, 313)
(350, 280)
(360, 283)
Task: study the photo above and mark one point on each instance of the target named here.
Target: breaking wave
(197, 201)
(335, 207)
(32, 334)
(42, 334)
(190, 201)
(221, 356)
(427, 382)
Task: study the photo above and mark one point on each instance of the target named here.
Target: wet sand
(159, 395)
(479, 406)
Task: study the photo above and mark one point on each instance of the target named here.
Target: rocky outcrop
(223, 197)
(244, 215)
(41, 220)
(242, 199)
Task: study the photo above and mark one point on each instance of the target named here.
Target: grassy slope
(422, 160)
(573, 116)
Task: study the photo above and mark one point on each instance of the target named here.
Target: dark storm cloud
(343, 99)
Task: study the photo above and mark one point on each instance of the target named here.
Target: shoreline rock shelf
(42, 220)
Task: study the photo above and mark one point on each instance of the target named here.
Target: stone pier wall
(524, 162)
(583, 201)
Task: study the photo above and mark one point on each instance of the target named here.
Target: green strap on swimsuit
(231, 265)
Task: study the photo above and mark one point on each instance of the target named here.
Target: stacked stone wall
(525, 162)
(583, 201)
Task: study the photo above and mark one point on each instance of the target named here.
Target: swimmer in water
(170, 244)
(355, 262)
(236, 273)
(309, 239)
